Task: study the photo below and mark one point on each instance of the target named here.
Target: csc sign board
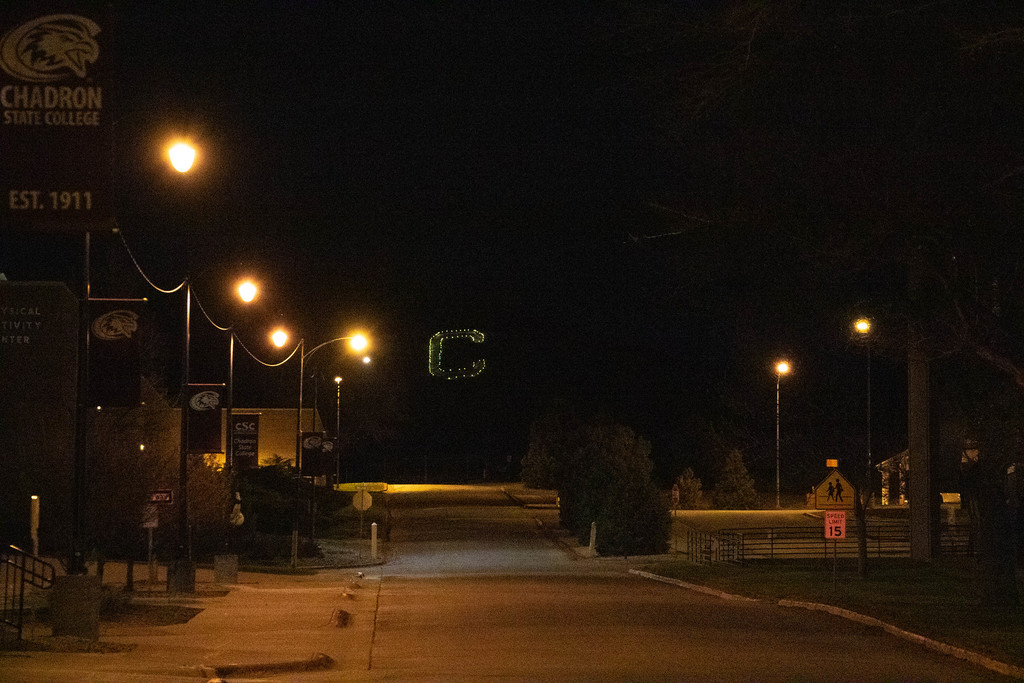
(55, 123)
(245, 442)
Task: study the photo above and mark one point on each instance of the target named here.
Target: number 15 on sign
(835, 524)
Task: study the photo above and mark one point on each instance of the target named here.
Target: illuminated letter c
(436, 348)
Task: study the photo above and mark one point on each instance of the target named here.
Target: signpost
(150, 521)
(361, 500)
(835, 528)
(151, 518)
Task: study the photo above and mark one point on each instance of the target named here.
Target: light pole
(247, 291)
(781, 368)
(337, 408)
(184, 568)
(337, 430)
(357, 342)
(863, 327)
(181, 157)
(184, 572)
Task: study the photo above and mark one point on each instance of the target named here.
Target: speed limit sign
(835, 524)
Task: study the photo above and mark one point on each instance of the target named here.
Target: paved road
(475, 588)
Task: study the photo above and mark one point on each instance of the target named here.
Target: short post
(835, 562)
(152, 561)
(75, 606)
(225, 569)
(373, 541)
(34, 528)
(593, 537)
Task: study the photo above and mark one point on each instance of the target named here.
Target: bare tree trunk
(860, 508)
(996, 546)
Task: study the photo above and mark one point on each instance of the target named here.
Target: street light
(781, 368)
(862, 326)
(337, 409)
(182, 156)
(247, 292)
(184, 569)
(337, 429)
(357, 342)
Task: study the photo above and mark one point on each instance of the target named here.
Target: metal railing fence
(884, 539)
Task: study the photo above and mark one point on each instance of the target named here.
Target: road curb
(951, 650)
(318, 661)
(938, 646)
(526, 505)
(692, 586)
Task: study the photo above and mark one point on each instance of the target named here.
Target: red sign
(835, 524)
(161, 496)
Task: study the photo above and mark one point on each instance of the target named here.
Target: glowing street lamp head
(862, 325)
(279, 338)
(247, 291)
(358, 342)
(337, 380)
(782, 367)
(182, 155)
(367, 360)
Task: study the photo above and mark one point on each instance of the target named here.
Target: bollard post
(35, 525)
(295, 547)
(593, 537)
(373, 541)
(153, 576)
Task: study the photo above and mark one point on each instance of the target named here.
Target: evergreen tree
(691, 494)
(734, 489)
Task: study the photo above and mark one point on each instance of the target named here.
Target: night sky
(508, 167)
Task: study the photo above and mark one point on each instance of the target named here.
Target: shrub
(603, 475)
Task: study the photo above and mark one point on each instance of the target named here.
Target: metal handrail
(18, 569)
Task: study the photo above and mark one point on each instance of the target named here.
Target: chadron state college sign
(55, 126)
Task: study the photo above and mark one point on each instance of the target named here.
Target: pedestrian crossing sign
(834, 493)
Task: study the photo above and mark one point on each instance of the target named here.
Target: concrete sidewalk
(264, 625)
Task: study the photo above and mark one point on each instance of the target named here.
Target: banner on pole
(319, 454)
(114, 370)
(245, 442)
(204, 405)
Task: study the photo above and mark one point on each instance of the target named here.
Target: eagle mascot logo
(50, 48)
(205, 400)
(115, 325)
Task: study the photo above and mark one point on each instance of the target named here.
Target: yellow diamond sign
(834, 493)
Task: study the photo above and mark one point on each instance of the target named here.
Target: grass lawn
(938, 600)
